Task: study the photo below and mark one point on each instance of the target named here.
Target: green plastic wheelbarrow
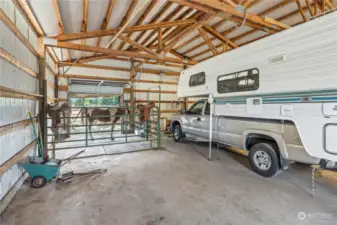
(42, 171)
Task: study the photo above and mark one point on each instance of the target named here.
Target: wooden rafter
(213, 7)
(225, 32)
(301, 10)
(141, 19)
(216, 34)
(84, 24)
(119, 53)
(167, 35)
(310, 8)
(160, 39)
(126, 18)
(108, 32)
(153, 20)
(135, 44)
(168, 18)
(184, 33)
(281, 18)
(248, 3)
(207, 40)
(144, 70)
(28, 14)
(59, 21)
(106, 19)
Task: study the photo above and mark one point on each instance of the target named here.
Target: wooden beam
(154, 19)
(216, 34)
(127, 90)
(208, 41)
(27, 12)
(135, 44)
(248, 3)
(59, 21)
(63, 88)
(109, 32)
(120, 53)
(107, 56)
(310, 8)
(160, 39)
(8, 128)
(301, 10)
(144, 70)
(8, 22)
(169, 33)
(141, 19)
(14, 61)
(52, 55)
(187, 31)
(16, 158)
(106, 19)
(166, 19)
(13, 93)
(277, 23)
(76, 76)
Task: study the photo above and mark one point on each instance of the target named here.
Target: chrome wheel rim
(176, 134)
(262, 160)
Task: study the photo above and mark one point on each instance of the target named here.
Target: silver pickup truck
(271, 146)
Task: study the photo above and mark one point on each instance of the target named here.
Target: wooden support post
(42, 91)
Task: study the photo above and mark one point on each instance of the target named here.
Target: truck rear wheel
(177, 133)
(264, 160)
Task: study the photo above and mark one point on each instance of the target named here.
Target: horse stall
(100, 129)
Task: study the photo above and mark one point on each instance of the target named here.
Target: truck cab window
(196, 108)
(207, 109)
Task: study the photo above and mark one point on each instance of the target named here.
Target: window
(207, 109)
(196, 108)
(247, 80)
(197, 79)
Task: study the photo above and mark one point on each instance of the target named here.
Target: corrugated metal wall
(13, 109)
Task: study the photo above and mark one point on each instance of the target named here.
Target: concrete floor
(176, 186)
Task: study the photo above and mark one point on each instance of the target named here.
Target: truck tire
(264, 160)
(177, 133)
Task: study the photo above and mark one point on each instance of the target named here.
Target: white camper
(278, 94)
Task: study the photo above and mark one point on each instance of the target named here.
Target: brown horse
(113, 115)
(54, 112)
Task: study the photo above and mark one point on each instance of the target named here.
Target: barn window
(247, 80)
(197, 79)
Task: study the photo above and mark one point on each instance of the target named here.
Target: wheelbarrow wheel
(38, 182)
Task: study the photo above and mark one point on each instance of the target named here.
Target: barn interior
(124, 55)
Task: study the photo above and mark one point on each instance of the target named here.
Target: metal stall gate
(87, 133)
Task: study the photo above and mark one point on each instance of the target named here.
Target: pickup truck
(271, 145)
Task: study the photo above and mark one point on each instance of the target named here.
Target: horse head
(144, 111)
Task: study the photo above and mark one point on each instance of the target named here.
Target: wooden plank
(52, 55)
(154, 19)
(11, 59)
(310, 8)
(60, 21)
(144, 70)
(141, 19)
(63, 88)
(106, 56)
(121, 53)
(113, 31)
(277, 23)
(16, 158)
(135, 44)
(76, 76)
(301, 10)
(216, 34)
(127, 90)
(50, 84)
(7, 21)
(208, 41)
(8, 128)
(24, 7)
(106, 19)
(12, 93)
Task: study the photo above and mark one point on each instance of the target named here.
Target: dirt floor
(176, 186)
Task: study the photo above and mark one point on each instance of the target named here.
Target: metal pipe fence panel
(79, 130)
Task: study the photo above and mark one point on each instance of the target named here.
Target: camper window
(197, 79)
(247, 80)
